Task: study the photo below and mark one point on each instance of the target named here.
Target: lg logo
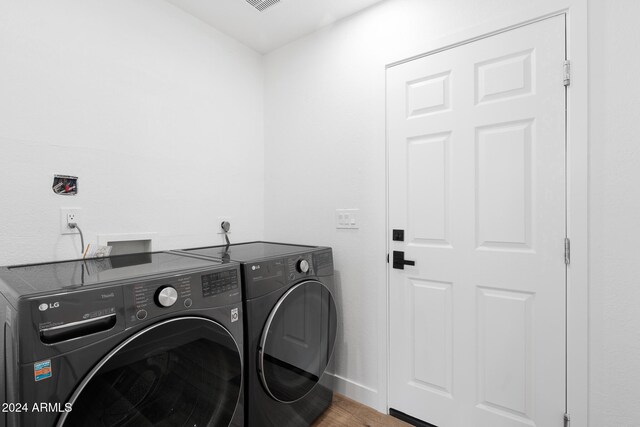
(255, 267)
(44, 306)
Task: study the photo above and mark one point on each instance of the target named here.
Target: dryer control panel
(300, 266)
(262, 277)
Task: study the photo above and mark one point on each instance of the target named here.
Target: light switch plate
(347, 218)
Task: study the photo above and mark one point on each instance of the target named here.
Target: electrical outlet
(68, 215)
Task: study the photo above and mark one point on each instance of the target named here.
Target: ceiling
(276, 26)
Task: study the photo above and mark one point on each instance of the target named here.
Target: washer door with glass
(297, 341)
(180, 372)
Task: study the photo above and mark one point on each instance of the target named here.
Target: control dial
(166, 296)
(303, 266)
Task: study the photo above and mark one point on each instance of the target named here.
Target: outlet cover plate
(64, 215)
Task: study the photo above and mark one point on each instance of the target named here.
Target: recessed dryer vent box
(65, 185)
(261, 5)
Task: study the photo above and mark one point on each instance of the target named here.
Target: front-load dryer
(133, 340)
(290, 329)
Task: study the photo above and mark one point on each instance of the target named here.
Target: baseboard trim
(356, 391)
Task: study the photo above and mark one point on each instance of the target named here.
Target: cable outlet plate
(68, 215)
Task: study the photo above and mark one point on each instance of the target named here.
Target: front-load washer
(133, 340)
(290, 329)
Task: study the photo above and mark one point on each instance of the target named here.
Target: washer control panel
(154, 298)
(220, 282)
(210, 288)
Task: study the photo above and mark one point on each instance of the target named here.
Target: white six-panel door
(476, 138)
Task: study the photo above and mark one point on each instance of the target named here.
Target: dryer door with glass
(297, 341)
(183, 371)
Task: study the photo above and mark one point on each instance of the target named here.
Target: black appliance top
(252, 251)
(63, 275)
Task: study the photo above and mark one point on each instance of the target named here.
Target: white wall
(325, 149)
(614, 213)
(158, 114)
(325, 139)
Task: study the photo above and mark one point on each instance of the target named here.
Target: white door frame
(577, 193)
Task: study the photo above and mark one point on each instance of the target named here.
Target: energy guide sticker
(42, 370)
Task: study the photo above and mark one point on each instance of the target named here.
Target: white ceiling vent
(261, 5)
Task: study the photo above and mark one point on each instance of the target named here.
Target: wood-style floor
(349, 413)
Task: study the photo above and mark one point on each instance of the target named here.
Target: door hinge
(567, 72)
(567, 420)
(567, 251)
